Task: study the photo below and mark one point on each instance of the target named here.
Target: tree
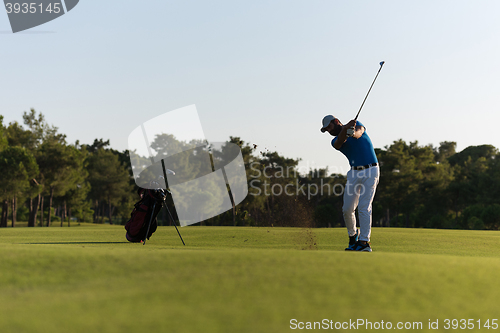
(476, 177)
(400, 177)
(40, 129)
(413, 182)
(109, 180)
(328, 201)
(3, 137)
(249, 210)
(98, 144)
(446, 150)
(278, 178)
(38, 133)
(17, 136)
(75, 201)
(474, 153)
(61, 169)
(18, 168)
(433, 201)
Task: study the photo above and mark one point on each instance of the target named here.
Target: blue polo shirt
(360, 151)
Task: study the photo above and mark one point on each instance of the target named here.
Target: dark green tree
(40, 132)
(3, 136)
(109, 181)
(445, 150)
(61, 169)
(18, 167)
(17, 136)
(399, 180)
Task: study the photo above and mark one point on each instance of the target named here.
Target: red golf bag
(143, 222)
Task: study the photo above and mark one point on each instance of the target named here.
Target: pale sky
(266, 71)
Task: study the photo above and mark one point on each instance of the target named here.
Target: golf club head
(382, 63)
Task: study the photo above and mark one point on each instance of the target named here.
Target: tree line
(421, 186)
(45, 179)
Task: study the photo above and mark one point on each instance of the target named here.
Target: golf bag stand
(166, 189)
(162, 203)
(172, 219)
(149, 225)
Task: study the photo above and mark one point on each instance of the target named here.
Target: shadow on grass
(50, 243)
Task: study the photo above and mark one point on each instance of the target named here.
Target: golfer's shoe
(362, 247)
(352, 241)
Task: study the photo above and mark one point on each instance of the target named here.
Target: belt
(364, 166)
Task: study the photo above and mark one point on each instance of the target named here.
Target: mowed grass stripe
(237, 279)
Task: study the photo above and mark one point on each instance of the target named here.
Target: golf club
(381, 64)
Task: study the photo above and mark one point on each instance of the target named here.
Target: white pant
(359, 192)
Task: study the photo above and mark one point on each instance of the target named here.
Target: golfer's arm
(358, 132)
(341, 138)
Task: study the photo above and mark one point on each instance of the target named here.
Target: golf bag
(143, 220)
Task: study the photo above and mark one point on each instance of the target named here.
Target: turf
(87, 278)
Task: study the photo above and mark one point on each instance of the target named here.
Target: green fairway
(231, 279)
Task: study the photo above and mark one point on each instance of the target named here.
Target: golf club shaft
(381, 64)
(166, 186)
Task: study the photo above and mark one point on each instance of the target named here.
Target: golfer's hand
(350, 128)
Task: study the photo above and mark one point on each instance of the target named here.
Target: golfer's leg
(351, 198)
(365, 203)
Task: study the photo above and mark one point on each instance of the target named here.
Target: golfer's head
(331, 125)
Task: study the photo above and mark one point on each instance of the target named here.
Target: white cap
(326, 121)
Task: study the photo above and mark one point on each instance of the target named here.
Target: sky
(265, 71)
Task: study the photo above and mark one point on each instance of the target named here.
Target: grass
(87, 278)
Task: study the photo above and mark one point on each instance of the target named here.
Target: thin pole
(149, 225)
(166, 187)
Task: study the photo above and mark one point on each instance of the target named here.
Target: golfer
(362, 179)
